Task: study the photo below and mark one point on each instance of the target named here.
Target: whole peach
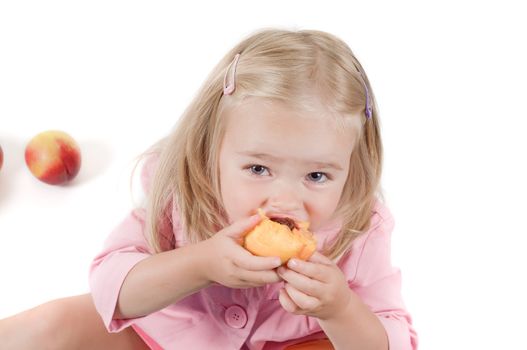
(53, 157)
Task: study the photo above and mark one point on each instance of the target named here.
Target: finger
(301, 282)
(314, 270)
(247, 261)
(287, 303)
(258, 278)
(302, 300)
(241, 227)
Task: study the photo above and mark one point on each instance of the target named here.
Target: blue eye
(317, 177)
(258, 169)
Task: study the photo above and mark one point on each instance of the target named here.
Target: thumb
(241, 227)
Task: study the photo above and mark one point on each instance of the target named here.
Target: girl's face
(290, 164)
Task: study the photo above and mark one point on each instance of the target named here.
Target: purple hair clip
(229, 87)
(368, 109)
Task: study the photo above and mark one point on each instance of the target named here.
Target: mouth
(285, 221)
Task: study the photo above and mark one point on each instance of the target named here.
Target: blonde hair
(287, 66)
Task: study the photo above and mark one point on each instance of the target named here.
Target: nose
(285, 197)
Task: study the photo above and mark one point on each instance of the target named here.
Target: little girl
(286, 122)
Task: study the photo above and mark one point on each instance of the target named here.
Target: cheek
(321, 208)
(239, 199)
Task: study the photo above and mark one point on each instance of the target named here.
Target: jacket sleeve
(123, 249)
(378, 283)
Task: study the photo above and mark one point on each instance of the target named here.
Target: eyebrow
(265, 156)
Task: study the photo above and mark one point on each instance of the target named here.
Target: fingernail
(292, 263)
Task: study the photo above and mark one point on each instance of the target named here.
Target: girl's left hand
(316, 287)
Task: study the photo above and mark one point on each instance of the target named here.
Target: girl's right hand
(231, 265)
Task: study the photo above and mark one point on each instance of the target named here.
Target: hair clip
(228, 88)
(368, 110)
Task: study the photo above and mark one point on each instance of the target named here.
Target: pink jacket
(218, 317)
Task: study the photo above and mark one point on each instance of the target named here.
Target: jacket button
(235, 316)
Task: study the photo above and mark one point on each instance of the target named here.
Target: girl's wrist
(202, 261)
(342, 311)
(357, 316)
(348, 306)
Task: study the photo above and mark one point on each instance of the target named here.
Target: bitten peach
(281, 237)
(53, 157)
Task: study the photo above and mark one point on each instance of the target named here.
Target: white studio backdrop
(449, 78)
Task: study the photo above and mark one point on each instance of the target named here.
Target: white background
(449, 78)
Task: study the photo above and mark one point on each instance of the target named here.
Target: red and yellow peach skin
(53, 157)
